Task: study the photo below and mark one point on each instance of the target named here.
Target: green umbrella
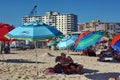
(52, 42)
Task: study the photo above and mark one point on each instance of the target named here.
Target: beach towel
(49, 71)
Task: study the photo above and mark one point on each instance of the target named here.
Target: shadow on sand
(88, 71)
(20, 61)
(102, 76)
(8, 53)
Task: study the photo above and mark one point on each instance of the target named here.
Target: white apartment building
(66, 23)
(50, 18)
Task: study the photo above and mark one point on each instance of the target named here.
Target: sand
(21, 65)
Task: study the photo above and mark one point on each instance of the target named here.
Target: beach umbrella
(115, 43)
(116, 46)
(80, 36)
(4, 29)
(116, 38)
(47, 41)
(88, 40)
(104, 39)
(33, 31)
(52, 42)
(55, 40)
(67, 42)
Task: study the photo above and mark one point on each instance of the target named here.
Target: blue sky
(11, 11)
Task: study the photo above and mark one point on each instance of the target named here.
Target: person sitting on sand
(91, 52)
(69, 60)
(7, 48)
(116, 55)
(62, 64)
(68, 64)
(106, 53)
(62, 58)
(75, 68)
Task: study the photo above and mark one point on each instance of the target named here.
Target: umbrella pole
(36, 58)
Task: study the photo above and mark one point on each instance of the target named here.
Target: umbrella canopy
(52, 42)
(55, 40)
(116, 38)
(47, 41)
(116, 46)
(88, 40)
(67, 41)
(33, 31)
(80, 36)
(104, 38)
(115, 43)
(4, 29)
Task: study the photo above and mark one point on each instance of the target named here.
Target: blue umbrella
(89, 40)
(67, 42)
(33, 31)
(116, 46)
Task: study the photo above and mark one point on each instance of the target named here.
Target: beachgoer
(7, 48)
(84, 52)
(91, 52)
(2, 47)
(116, 55)
(62, 58)
(66, 63)
(69, 59)
(106, 53)
(75, 68)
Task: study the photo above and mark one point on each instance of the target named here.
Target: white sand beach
(20, 65)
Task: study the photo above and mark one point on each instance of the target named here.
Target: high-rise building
(50, 18)
(66, 23)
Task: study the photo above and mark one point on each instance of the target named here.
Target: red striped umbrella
(115, 39)
(80, 36)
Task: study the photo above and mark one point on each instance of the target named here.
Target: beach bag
(49, 71)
